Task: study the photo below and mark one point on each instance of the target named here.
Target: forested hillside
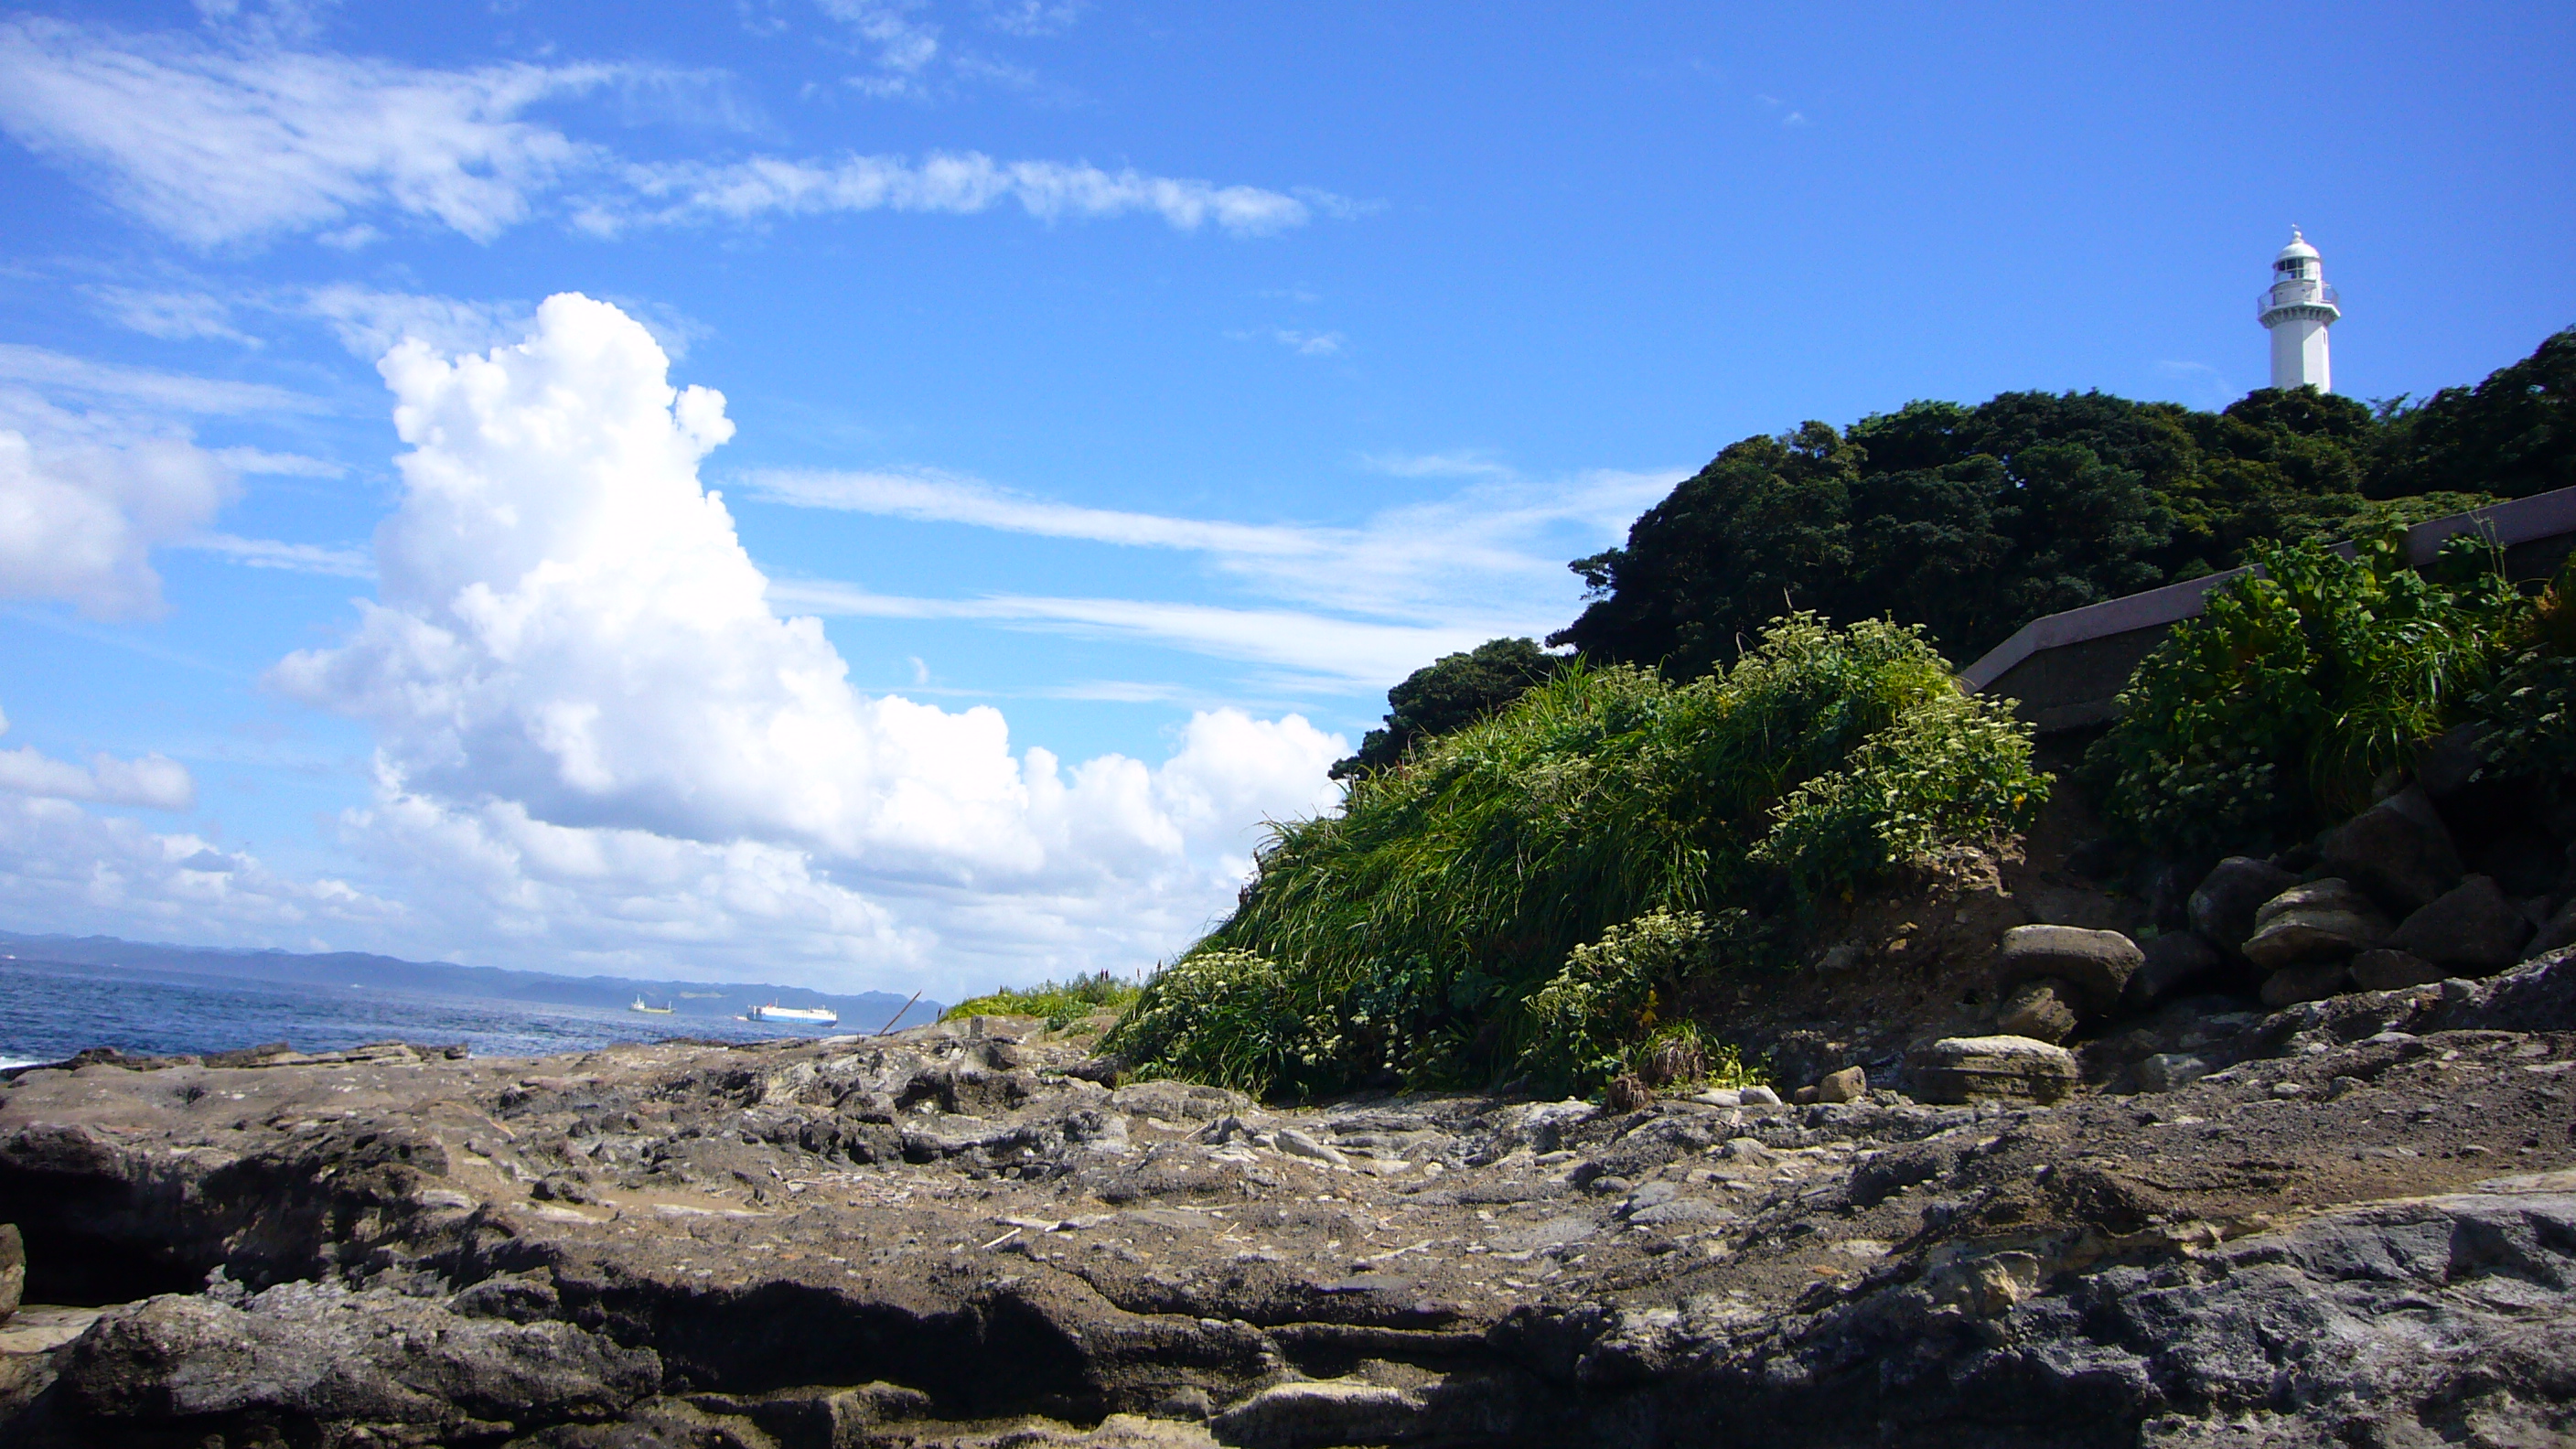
(1972, 521)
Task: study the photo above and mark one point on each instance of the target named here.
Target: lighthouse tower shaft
(2298, 308)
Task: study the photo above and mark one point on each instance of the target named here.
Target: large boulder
(2096, 965)
(2222, 907)
(2324, 920)
(2556, 932)
(1959, 1069)
(2397, 850)
(2385, 970)
(2471, 928)
(13, 1269)
(317, 1353)
(2170, 964)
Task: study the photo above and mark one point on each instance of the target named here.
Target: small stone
(1298, 1144)
(2398, 850)
(2472, 927)
(2324, 920)
(2039, 1010)
(2314, 982)
(2386, 970)
(1758, 1097)
(2222, 907)
(2288, 1090)
(1846, 1085)
(2096, 965)
(1188, 1403)
(1962, 1069)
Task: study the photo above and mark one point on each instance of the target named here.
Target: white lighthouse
(2298, 308)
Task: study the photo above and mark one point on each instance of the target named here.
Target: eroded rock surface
(2353, 1221)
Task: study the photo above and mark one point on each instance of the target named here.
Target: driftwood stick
(898, 1016)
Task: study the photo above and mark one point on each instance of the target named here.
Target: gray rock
(2307, 981)
(1990, 1068)
(2041, 1010)
(2325, 920)
(1759, 1097)
(2386, 970)
(2222, 907)
(315, 1351)
(2165, 1071)
(2559, 930)
(2097, 964)
(2397, 850)
(13, 1270)
(2173, 964)
(2472, 928)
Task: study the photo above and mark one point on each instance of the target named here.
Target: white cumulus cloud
(584, 701)
(154, 780)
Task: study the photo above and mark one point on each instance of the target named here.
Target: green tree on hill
(1450, 693)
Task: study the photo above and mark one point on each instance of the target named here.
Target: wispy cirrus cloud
(1341, 652)
(217, 144)
(226, 144)
(59, 372)
(935, 497)
(954, 182)
(342, 561)
(1364, 604)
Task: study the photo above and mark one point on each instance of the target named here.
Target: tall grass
(1400, 934)
(1059, 1003)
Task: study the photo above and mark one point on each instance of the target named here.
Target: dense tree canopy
(1972, 521)
(1453, 691)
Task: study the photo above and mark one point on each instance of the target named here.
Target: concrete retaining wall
(2065, 671)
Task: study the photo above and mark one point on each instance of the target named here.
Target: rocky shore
(2356, 1226)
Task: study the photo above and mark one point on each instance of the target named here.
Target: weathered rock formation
(2353, 1221)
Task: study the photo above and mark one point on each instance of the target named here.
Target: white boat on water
(638, 1005)
(803, 1015)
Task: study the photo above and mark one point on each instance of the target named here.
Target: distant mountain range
(865, 1011)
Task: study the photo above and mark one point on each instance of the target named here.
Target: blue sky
(1114, 401)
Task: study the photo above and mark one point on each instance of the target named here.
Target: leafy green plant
(2296, 689)
(1408, 927)
(1060, 1004)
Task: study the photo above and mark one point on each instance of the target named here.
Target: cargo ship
(801, 1015)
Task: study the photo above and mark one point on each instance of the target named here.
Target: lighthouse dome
(2297, 251)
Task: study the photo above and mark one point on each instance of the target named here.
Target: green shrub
(1061, 1005)
(1409, 926)
(2530, 707)
(1230, 1018)
(1601, 1016)
(2296, 689)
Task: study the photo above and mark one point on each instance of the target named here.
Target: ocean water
(50, 1010)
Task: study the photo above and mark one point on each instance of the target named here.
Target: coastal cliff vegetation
(1538, 852)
